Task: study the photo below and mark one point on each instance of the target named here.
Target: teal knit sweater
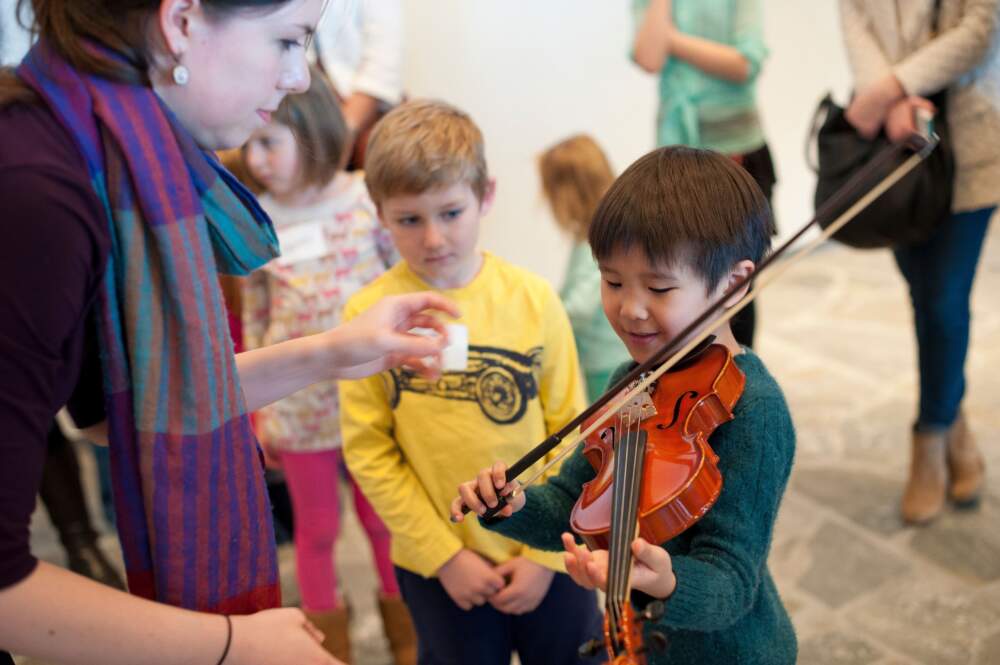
(725, 608)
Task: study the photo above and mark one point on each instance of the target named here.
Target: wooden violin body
(681, 479)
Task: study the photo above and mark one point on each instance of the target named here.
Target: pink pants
(313, 480)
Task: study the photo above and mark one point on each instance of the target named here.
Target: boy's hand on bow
(482, 492)
(652, 572)
(527, 584)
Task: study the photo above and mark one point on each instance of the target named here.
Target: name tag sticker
(300, 243)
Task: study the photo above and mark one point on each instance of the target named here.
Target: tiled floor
(862, 589)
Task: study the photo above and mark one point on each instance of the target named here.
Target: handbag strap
(936, 19)
(820, 115)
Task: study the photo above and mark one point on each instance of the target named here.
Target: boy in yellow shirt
(475, 596)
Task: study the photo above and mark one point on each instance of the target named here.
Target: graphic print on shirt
(500, 381)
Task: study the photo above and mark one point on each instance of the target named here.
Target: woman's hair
(683, 206)
(319, 128)
(575, 175)
(121, 25)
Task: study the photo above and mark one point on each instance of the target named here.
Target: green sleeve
(545, 515)
(719, 577)
(748, 35)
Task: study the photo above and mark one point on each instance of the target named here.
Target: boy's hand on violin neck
(527, 584)
(482, 492)
(652, 572)
(469, 579)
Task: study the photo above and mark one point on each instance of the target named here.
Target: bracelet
(229, 639)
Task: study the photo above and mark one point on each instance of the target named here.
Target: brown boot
(965, 465)
(398, 629)
(924, 495)
(334, 624)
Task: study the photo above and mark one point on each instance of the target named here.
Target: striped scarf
(193, 515)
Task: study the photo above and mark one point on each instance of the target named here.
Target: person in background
(332, 245)
(475, 597)
(359, 46)
(708, 55)
(575, 174)
(898, 61)
(62, 495)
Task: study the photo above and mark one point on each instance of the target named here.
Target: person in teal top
(708, 55)
(699, 227)
(575, 173)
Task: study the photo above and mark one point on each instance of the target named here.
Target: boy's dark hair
(683, 204)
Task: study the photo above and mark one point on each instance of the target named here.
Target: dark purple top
(53, 249)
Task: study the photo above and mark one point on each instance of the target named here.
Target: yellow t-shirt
(409, 442)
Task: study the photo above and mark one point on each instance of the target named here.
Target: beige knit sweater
(895, 35)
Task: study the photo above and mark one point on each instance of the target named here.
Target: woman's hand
(482, 492)
(276, 637)
(901, 123)
(870, 107)
(376, 340)
(379, 338)
(652, 572)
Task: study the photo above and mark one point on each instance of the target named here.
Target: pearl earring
(181, 75)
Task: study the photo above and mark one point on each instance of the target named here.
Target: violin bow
(912, 152)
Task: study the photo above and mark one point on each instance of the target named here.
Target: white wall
(14, 40)
(531, 72)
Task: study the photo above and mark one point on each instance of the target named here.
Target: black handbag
(910, 210)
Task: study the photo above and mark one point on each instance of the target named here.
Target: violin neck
(629, 455)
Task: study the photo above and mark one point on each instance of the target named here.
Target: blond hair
(575, 175)
(423, 145)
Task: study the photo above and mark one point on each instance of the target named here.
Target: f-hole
(677, 408)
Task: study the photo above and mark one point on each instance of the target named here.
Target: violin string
(624, 448)
(617, 520)
(630, 523)
(762, 279)
(613, 591)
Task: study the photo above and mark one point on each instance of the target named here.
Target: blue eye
(289, 44)
(453, 214)
(407, 221)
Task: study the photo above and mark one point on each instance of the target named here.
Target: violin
(656, 474)
(666, 423)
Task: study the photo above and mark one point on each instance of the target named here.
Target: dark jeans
(940, 274)
(567, 617)
(760, 166)
(5, 658)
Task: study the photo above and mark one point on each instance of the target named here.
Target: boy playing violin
(675, 232)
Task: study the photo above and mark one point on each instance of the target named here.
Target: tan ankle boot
(965, 464)
(334, 624)
(924, 495)
(398, 629)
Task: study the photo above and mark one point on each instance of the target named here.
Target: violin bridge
(639, 408)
